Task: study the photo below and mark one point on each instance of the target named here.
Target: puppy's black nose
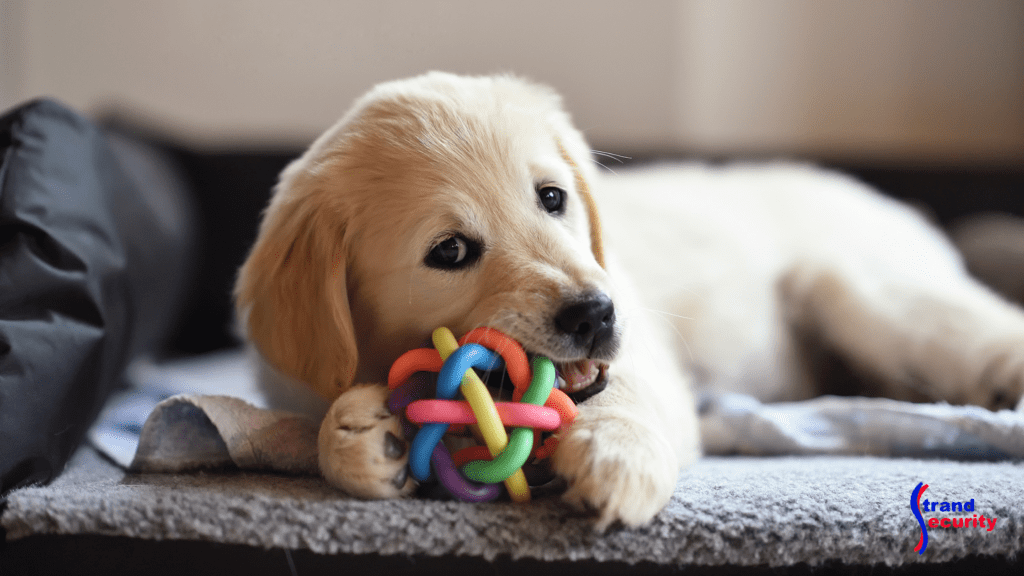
(590, 322)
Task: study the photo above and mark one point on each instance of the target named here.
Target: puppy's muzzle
(589, 322)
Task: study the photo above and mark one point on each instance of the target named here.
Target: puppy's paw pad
(361, 447)
(394, 448)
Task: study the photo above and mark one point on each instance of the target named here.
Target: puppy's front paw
(361, 447)
(617, 465)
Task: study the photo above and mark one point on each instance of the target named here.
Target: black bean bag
(93, 268)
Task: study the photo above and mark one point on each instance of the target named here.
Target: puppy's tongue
(575, 376)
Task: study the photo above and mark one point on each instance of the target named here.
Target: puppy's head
(435, 201)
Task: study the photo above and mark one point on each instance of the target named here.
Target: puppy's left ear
(292, 296)
(583, 189)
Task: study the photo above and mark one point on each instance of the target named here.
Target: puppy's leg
(361, 447)
(623, 454)
(927, 334)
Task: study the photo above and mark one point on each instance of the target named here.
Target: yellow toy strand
(486, 413)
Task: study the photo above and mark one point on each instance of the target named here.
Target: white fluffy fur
(738, 259)
(713, 272)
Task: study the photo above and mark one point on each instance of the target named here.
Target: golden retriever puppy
(472, 201)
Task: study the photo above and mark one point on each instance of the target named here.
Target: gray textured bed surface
(726, 510)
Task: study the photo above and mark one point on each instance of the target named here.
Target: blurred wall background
(939, 81)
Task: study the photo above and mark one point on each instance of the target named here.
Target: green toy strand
(520, 442)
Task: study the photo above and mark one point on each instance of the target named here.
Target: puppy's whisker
(410, 287)
(671, 325)
(686, 345)
(499, 320)
(617, 157)
(664, 313)
(605, 167)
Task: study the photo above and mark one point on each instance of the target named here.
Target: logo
(918, 507)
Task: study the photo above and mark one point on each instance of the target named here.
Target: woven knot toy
(537, 406)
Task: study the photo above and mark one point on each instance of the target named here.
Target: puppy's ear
(291, 293)
(583, 189)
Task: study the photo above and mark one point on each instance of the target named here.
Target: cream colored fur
(713, 272)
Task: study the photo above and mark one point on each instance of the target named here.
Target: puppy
(472, 201)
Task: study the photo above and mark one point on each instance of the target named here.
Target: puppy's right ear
(291, 294)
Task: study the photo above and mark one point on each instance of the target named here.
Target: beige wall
(935, 80)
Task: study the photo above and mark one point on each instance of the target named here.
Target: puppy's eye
(552, 199)
(453, 253)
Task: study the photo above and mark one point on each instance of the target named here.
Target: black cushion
(95, 238)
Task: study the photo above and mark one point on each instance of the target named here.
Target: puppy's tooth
(559, 382)
(393, 447)
(399, 479)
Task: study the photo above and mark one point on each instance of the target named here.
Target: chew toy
(537, 406)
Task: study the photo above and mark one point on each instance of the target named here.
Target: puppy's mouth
(581, 379)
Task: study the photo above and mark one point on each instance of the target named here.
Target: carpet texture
(735, 510)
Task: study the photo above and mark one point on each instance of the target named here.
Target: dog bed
(755, 512)
(207, 470)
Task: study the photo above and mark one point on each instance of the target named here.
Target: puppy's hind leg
(926, 334)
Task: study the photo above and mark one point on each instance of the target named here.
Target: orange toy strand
(548, 447)
(516, 364)
(567, 411)
(562, 404)
(416, 360)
